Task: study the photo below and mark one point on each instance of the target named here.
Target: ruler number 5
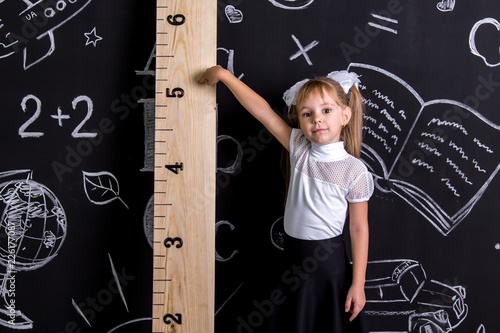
(175, 93)
(177, 19)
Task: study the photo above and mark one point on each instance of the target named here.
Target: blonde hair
(352, 133)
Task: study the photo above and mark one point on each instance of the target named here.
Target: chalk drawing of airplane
(29, 26)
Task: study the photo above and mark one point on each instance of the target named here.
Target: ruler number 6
(177, 19)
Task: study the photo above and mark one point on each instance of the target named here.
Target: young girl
(321, 292)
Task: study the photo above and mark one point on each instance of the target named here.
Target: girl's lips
(319, 130)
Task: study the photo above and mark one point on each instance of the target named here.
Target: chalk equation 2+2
(59, 117)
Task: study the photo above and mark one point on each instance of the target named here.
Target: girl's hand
(211, 76)
(355, 301)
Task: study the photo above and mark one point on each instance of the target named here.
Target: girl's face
(321, 119)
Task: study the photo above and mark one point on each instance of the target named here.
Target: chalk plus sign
(59, 116)
(303, 50)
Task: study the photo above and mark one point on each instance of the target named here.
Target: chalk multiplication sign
(185, 168)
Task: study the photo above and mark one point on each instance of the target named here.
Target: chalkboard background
(85, 194)
(97, 179)
(414, 56)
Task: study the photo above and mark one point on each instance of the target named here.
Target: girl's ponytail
(352, 133)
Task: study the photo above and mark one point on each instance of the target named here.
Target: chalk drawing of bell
(32, 230)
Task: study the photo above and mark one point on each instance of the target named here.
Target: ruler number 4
(175, 167)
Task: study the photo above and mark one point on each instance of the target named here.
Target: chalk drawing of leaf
(101, 187)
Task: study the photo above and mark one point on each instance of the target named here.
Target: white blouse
(323, 179)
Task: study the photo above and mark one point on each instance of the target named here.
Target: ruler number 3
(172, 241)
(177, 19)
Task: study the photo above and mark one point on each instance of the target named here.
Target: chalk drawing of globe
(32, 225)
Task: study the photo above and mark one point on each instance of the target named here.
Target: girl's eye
(306, 114)
(327, 110)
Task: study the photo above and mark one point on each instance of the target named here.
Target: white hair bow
(344, 78)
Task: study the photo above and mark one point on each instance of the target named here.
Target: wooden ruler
(185, 168)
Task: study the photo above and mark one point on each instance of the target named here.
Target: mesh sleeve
(361, 188)
(296, 138)
(298, 144)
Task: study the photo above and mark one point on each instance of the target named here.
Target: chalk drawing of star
(92, 37)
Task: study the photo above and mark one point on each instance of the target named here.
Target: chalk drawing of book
(438, 156)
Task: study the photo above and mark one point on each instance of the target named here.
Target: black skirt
(314, 285)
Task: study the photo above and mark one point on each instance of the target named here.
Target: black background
(105, 73)
(430, 52)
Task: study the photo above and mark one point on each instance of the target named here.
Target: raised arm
(251, 101)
